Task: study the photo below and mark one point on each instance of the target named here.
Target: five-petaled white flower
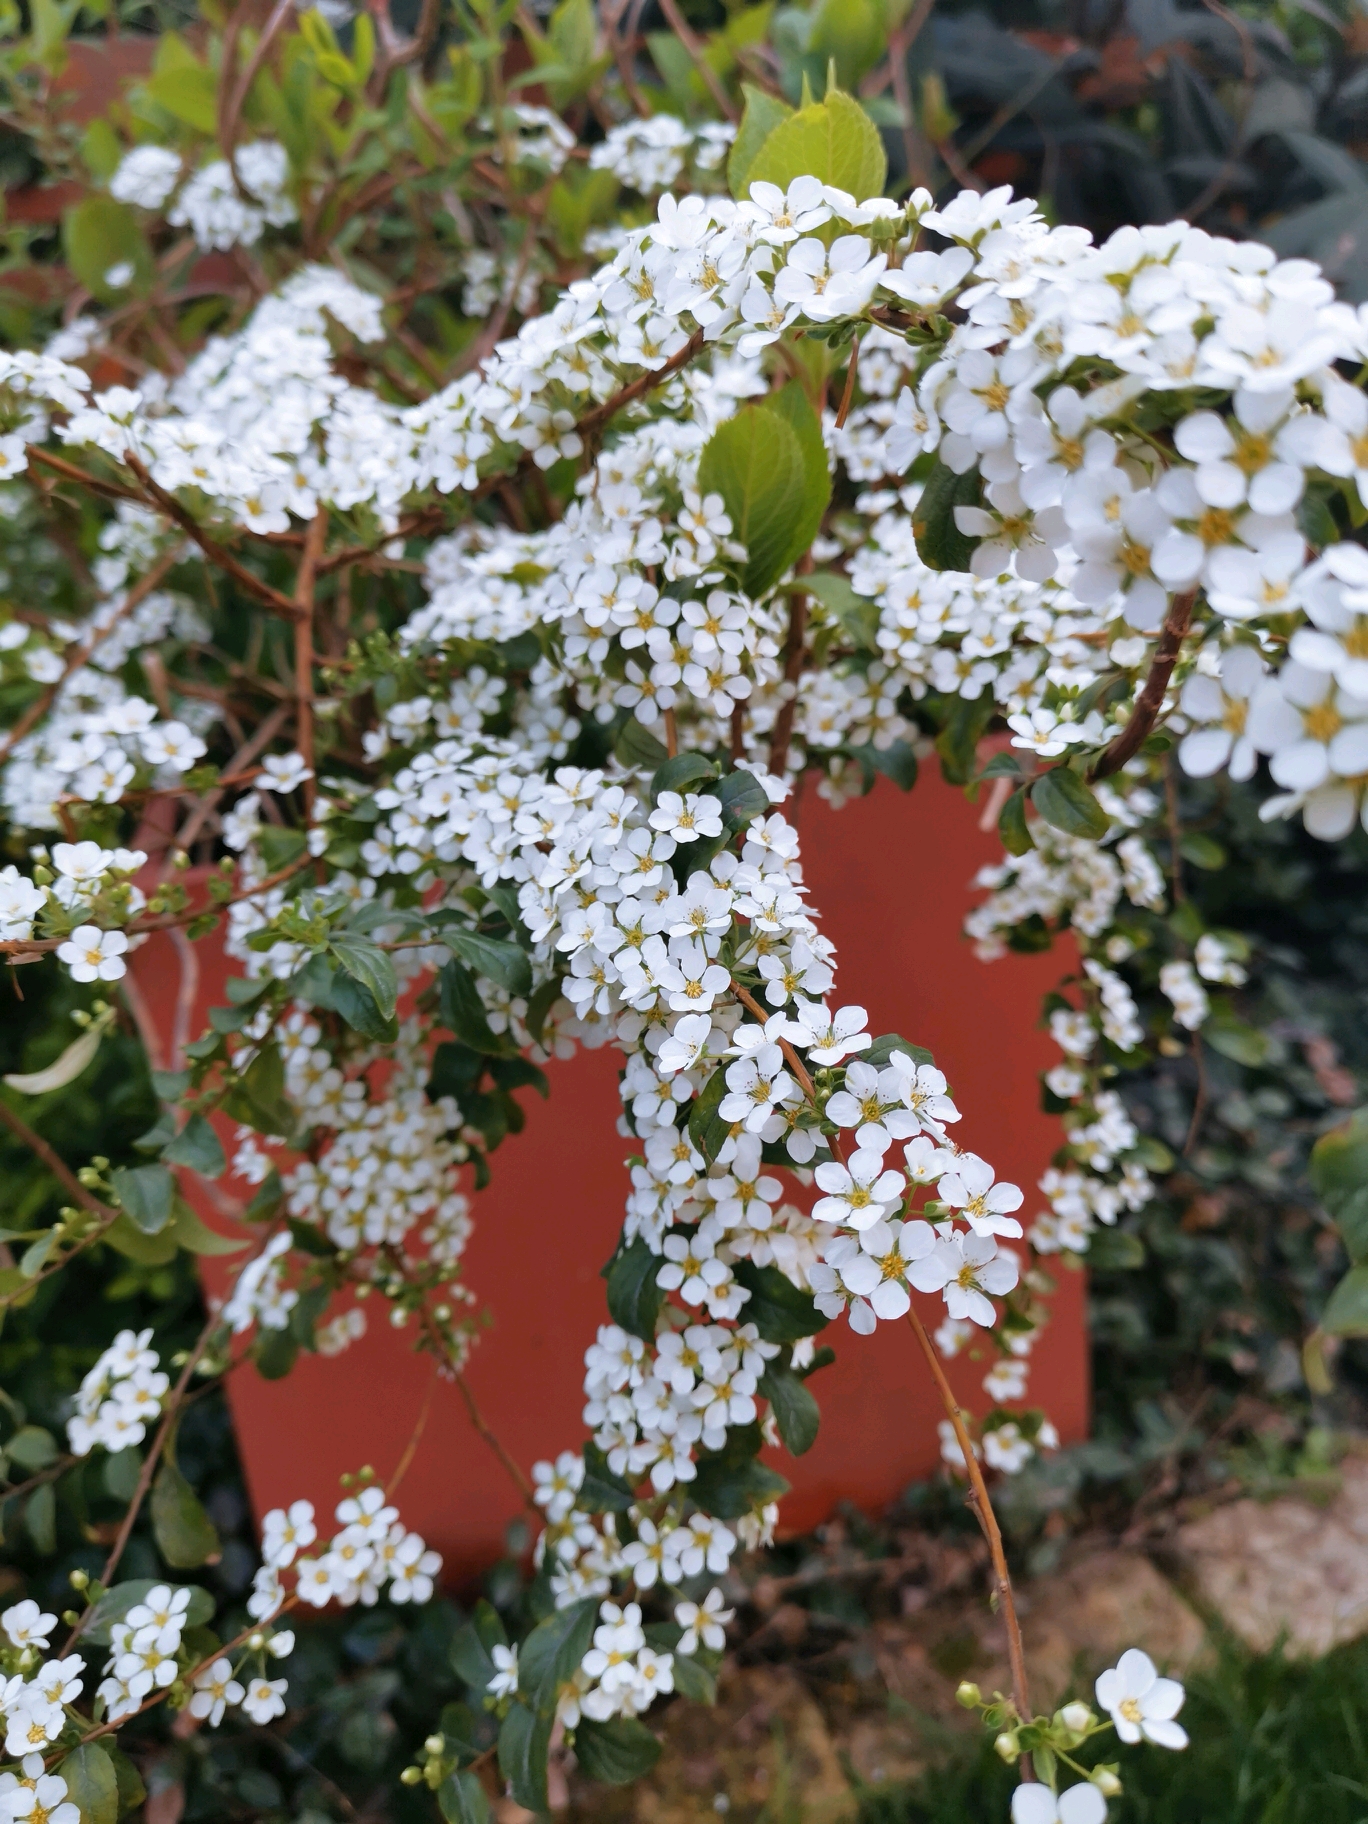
(1140, 1702)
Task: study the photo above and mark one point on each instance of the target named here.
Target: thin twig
(237, 100)
(1151, 699)
(410, 1449)
(849, 391)
(795, 655)
(303, 653)
(215, 552)
(679, 25)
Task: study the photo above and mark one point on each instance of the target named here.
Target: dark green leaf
(779, 1311)
(466, 1735)
(40, 1517)
(897, 761)
(185, 1534)
(637, 748)
(694, 1681)
(368, 964)
(463, 1012)
(957, 743)
(493, 957)
(796, 1413)
(144, 1193)
(755, 462)
(32, 1448)
(617, 1751)
(471, 1651)
(520, 1073)
(733, 1481)
(461, 1799)
(681, 773)
(881, 1051)
(1013, 827)
(601, 1492)
(92, 1784)
(940, 543)
(793, 405)
(1065, 800)
(197, 1146)
(1234, 1039)
(743, 799)
(552, 1652)
(524, 1739)
(275, 1353)
(132, 1792)
(258, 1099)
(544, 998)
(1115, 1250)
(634, 1298)
(707, 1129)
(1346, 1314)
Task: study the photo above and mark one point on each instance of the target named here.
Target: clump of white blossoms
(119, 1397)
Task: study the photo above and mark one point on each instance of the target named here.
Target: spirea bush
(473, 529)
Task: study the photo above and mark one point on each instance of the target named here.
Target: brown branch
(303, 653)
(679, 25)
(60, 1170)
(215, 552)
(1151, 698)
(795, 655)
(848, 392)
(232, 115)
(112, 490)
(482, 1425)
(987, 1519)
(78, 654)
(594, 420)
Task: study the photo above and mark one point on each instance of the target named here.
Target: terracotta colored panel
(890, 878)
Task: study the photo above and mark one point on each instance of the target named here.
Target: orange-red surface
(890, 877)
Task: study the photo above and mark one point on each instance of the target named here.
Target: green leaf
(463, 1012)
(197, 1146)
(1339, 1175)
(755, 462)
(601, 1492)
(897, 761)
(144, 1193)
(524, 1739)
(779, 1311)
(634, 1298)
(940, 543)
(1115, 1250)
(148, 1250)
(957, 743)
(100, 238)
(552, 1652)
(520, 1073)
(1346, 1314)
(617, 1751)
(856, 615)
(32, 1448)
(834, 140)
(544, 998)
(1065, 800)
(132, 1792)
(493, 957)
(707, 1129)
(1013, 827)
(466, 1735)
(189, 92)
(792, 404)
(471, 1652)
(461, 1799)
(185, 1534)
(796, 1413)
(92, 1784)
(114, 1606)
(258, 1099)
(695, 1682)
(763, 113)
(681, 773)
(637, 748)
(275, 1353)
(40, 1517)
(368, 964)
(197, 1237)
(1234, 1039)
(743, 799)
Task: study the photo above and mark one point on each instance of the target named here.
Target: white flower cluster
(649, 155)
(120, 1395)
(372, 1551)
(33, 1701)
(223, 206)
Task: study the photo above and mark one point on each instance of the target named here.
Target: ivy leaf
(198, 1147)
(92, 1784)
(779, 1311)
(634, 1298)
(524, 1739)
(552, 1652)
(1066, 801)
(144, 1193)
(755, 462)
(368, 964)
(763, 113)
(185, 1534)
(796, 1413)
(617, 1751)
(493, 957)
(461, 1799)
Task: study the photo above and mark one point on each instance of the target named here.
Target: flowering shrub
(477, 669)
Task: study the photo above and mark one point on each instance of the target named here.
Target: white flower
(215, 1689)
(691, 1268)
(1140, 1702)
(286, 1532)
(783, 215)
(966, 1268)
(826, 284)
(413, 1570)
(689, 817)
(265, 1699)
(171, 744)
(969, 1188)
(685, 1045)
(877, 1270)
(93, 955)
(1036, 1804)
(703, 1622)
(859, 1193)
(555, 1486)
(826, 1037)
(284, 772)
(146, 176)
(27, 1625)
(1190, 1004)
(44, 1801)
(505, 1680)
(1223, 706)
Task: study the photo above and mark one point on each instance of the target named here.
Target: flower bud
(411, 1776)
(1106, 1782)
(1008, 1746)
(434, 1744)
(1076, 1717)
(969, 1695)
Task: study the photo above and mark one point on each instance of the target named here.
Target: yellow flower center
(1323, 722)
(1216, 526)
